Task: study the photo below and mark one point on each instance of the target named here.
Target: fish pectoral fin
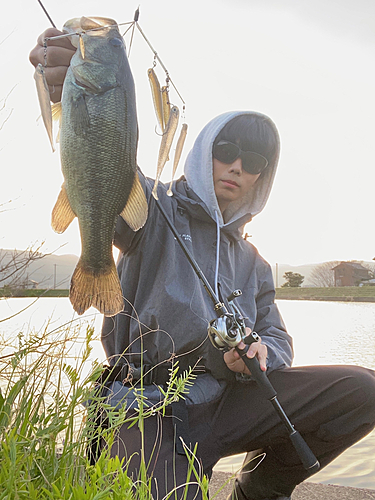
(136, 209)
(62, 213)
(79, 117)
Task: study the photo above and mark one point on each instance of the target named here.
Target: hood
(198, 174)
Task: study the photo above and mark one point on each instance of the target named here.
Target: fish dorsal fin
(136, 209)
(62, 213)
(44, 101)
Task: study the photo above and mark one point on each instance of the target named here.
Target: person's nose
(236, 166)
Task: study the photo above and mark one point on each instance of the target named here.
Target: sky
(307, 65)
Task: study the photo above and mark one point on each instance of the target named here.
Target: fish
(98, 149)
(165, 145)
(156, 97)
(177, 155)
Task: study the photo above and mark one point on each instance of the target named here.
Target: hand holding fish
(55, 60)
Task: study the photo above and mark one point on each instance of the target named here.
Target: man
(228, 177)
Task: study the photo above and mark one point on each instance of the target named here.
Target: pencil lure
(165, 145)
(177, 155)
(166, 105)
(44, 101)
(156, 96)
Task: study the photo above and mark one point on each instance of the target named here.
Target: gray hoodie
(167, 310)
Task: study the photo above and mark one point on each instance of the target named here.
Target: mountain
(305, 270)
(55, 271)
(42, 271)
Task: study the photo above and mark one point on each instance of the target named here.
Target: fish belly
(99, 166)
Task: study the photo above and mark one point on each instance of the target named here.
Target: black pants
(331, 406)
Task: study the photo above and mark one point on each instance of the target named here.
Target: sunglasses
(228, 152)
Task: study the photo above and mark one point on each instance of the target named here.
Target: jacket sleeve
(270, 326)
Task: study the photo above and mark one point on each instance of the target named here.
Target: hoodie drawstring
(217, 253)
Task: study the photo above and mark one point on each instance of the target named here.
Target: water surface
(323, 333)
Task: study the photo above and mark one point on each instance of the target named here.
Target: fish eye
(116, 42)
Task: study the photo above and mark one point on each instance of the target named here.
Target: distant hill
(304, 269)
(48, 271)
(55, 271)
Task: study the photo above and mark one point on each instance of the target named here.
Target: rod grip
(307, 457)
(259, 376)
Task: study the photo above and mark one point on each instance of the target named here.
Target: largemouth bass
(98, 145)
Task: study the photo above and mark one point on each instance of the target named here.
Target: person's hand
(235, 363)
(59, 53)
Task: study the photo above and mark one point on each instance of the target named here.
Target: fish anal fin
(62, 213)
(136, 209)
(101, 290)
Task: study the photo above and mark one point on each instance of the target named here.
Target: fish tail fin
(101, 290)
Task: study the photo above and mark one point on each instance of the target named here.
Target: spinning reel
(228, 330)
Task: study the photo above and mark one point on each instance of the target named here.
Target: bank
(337, 294)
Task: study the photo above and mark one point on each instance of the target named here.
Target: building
(350, 274)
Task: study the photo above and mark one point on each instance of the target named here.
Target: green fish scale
(99, 169)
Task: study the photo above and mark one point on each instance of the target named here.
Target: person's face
(231, 182)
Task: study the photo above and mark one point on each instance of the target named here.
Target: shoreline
(221, 485)
(329, 299)
(344, 294)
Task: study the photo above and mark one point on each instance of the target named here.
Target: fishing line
(46, 13)
(156, 56)
(131, 38)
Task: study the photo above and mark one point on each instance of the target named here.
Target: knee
(367, 381)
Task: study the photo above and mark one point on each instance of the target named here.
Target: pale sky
(309, 65)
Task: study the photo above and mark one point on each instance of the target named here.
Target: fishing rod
(228, 331)
(46, 13)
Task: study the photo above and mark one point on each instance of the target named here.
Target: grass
(48, 405)
(349, 293)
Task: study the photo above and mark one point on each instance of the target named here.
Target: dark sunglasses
(228, 152)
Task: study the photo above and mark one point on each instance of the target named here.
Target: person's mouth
(229, 183)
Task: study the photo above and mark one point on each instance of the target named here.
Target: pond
(323, 333)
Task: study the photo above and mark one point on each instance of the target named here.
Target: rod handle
(307, 457)
(259, 376)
